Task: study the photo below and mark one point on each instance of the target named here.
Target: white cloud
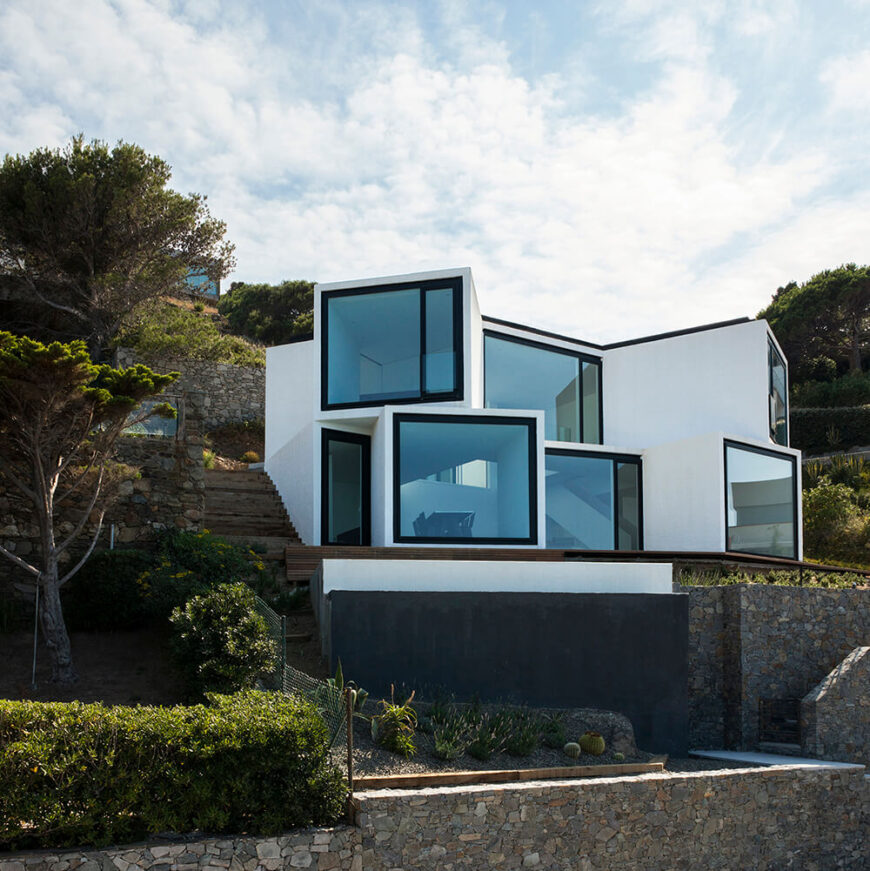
(329, 161)
(848, 79)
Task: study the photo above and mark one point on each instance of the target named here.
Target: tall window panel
(761, 501)
(528, 375)
(778, 398)
(593, 501)
(460, 478)
(392, 345)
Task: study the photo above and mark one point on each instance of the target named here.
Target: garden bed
(621, 756)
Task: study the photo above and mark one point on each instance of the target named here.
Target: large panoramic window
(778, 395)
(593, 501)
(761, 501)
(567, 386)
(461, 478)
(394, 344)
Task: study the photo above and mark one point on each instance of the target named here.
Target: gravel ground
(371, 759)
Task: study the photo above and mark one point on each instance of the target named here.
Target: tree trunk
(54, 630)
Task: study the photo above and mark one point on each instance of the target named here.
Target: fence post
(283, 643)
(348, 706)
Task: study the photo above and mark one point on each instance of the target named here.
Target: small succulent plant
(592, 743)
(572, 749)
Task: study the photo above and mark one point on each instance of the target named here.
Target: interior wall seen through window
(527, 376)
(760, 492)
(593, 502)
(460, 479)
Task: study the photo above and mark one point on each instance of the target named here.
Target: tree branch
(88, 552)
(84, 518)
(19, 562)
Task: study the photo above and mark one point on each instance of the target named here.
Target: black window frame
(769, 452)
(772, 349)
(327, 434)
(529, 422)
(542, 346)
(454, 284)
(615, 458)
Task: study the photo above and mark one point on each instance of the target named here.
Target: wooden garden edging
(456, 778)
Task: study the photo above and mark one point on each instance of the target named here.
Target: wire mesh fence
(325, 695)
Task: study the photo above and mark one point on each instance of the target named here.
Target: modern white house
(410, 419)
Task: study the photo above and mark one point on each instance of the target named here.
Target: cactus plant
(592, 743)
(572, 749)
(618, 757)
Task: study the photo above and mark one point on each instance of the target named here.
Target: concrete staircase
(246, 504)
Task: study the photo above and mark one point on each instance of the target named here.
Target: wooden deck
(302, 560)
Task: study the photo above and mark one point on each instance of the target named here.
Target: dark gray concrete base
(619, 652)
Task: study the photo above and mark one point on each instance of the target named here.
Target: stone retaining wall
(230, 393)
(784, 817)
(835, 716)
(754, 641)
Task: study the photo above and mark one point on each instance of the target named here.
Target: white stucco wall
(670, 389)
(467, 576)
(684, 495)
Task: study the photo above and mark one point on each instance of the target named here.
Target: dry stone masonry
(835, 716)
(783, 817)
(749, 642)
(230, 393)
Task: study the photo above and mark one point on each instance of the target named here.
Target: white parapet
(496, 576)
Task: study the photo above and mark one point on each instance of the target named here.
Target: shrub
(220, 642)
(192, 563)
(819, 430)
(850, 390)
(250, 457)
(491, 735)
(785, 578)
(165, 330)
(104, 594)
(208, 458)
(553, 733)
(74, 774)
(451, 738)
(827, 509)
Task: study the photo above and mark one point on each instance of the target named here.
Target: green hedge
(74, 774)
(821, 430)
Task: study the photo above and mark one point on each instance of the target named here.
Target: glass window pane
(778, 397)
(458, 479)
(580, 501)
(528, 377)
(164, 427)
(761, 509)
(628, 506)
(344, 492)
(440, 361)
(373, 346)
(591, 404)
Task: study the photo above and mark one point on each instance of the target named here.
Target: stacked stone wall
(753, 641)
(835, 715)
(784, 817)
(230, 393)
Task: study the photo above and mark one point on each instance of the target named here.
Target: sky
(606, 169)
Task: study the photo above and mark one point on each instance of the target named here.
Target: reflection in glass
(591, 403)
(520, 375)
(459, 479)
(344, 492)
(593, 502)
(628, 506)
(778, 396)
(440, 362)
(761, 508)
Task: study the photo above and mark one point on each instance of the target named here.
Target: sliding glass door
(346, 488)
